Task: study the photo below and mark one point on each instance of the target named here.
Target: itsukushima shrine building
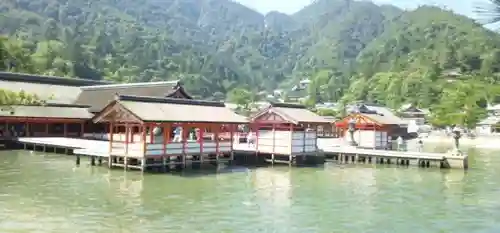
(152, 124)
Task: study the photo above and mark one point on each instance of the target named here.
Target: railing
(177, 148)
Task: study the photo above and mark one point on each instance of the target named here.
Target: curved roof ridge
(168, 100)
(128, 85)
(53, 80)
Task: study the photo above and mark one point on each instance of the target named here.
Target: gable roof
(46, 111)
(49, 88)
(387, 115)
(297, 93)
(154, 109)
(381, 119)
(378, 113)
(410, 108)
(293, 113)
(99, 96)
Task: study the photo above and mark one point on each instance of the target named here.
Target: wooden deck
(70, 143)
(97, 150)
(406, 158)
(249, 151)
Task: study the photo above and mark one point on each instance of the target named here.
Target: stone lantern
(457, 134)
(157, 131)
(352, 128)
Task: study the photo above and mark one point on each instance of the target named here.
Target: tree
(8, 98)
(490, 11)
(244, 100)
(459, 104)
(378, 53)
(327, 112)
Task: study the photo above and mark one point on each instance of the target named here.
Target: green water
(45, 193)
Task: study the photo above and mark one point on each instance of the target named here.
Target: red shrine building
(146, 124)
(286, 130)
(164, 128)
(373, 129)
(153, 124)
(71, 103)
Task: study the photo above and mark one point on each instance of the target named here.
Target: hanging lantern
(157, 131)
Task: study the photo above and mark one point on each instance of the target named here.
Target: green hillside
(351, 50)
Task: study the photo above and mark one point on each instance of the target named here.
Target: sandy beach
(480, 142)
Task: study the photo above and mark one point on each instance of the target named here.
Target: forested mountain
(351, 50)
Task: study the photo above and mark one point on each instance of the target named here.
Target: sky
(465, 7)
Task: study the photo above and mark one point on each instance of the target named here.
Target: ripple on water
(47, 192)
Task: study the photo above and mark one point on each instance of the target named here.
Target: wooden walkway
(97, 151)
(248, 151)
(422, 159)
(62, 142)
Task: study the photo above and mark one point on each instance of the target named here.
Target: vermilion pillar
(111, 132)
(82, 129)
(151, 136)
(183, 138)
(127, 135)
(216, 137)
(200, 138)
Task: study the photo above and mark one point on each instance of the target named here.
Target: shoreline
(479, 142)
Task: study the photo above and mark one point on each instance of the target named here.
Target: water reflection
(49, 193)
(273, 185)
(126, 186)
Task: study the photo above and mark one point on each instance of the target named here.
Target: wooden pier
(350, 154)
(97, 152)
(246, 152)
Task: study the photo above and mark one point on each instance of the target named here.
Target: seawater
(47, 193)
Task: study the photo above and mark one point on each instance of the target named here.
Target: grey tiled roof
(52, 89)
(99, 96)
(49, 92)
(153, 109)
(378, 113)
(387, 115)
(45, 112)
(294, 113)
(380, 119)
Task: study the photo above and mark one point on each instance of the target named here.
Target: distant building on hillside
(488, 126)
(412, 113)
(493, 110)
(328, 105)
(298, 93)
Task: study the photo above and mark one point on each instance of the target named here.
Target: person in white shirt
(250, 138)
(177, 134)
(400, 142)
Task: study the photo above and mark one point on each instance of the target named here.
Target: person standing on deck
(197, 134)
(400, 143)
(250, 139)
(177, 134)
(420, 147)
